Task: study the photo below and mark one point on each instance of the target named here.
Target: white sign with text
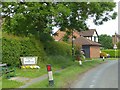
(29, 60)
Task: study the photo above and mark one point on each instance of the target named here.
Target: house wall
(95, 37)
(115, 39)
(94, 51)
(86, 48)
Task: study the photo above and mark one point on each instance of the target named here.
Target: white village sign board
(29, 60)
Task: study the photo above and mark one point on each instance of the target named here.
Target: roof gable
(88, 33)
(58, 36)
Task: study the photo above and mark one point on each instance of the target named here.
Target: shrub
(13, 49)
(111, 52)
(57, 48)
(118, 45)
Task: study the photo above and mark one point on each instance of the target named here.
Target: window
(95, 38)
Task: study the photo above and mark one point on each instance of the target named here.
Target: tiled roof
(83, 41)
(58, 36)
(89, 32)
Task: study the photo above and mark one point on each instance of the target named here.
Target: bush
(103, 54)
(13, 49)
(111, 52)
(118, 45)
(57, 48)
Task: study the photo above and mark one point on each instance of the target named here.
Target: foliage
(106, 38)
(57, 48)
(118, 45)
(38, 17)
(13, 49)
(112, 52)
(103, 54)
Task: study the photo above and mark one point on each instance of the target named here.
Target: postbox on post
(50, 75)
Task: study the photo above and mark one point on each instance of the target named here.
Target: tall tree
(106, 41)
(33, 18)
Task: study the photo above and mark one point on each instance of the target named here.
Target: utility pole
(72, 46)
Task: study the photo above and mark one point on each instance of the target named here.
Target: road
(102, 76)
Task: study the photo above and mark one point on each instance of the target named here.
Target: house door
(86, 50)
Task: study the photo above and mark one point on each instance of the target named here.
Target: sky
(109, 27)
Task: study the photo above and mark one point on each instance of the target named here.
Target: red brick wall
(94, 51)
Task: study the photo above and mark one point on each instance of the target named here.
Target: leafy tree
(106, 41)
(35, 18)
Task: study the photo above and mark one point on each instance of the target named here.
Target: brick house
(115, 38)
(92, 49)
(90, 34)
(88, 40)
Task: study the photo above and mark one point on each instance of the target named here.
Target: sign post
(29, 62)
(50, 75)
(115, 47)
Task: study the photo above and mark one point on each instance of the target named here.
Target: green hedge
(57, 48)
(13, 49)
(112, 52)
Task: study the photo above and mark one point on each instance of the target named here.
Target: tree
(106, 41)
(36, 18)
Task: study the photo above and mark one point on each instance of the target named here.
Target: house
(59, 35)
(88, 40)
(90, 34)
(115, 38)
(92, 49)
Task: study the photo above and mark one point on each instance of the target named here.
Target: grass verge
(57, 63)
(10, 83)
(64, 78)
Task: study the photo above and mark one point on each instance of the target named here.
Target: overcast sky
(109, 27)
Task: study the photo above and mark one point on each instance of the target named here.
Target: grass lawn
(112, 58)
(10, 83)
(57, 63)
(68, 75)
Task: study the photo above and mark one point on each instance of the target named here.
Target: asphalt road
(102, 76)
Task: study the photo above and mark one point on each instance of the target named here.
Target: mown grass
(68, 75)
(10, 83)
(57, 62)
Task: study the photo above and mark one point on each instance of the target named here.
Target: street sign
(115, 46)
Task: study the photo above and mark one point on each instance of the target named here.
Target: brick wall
(94, 51)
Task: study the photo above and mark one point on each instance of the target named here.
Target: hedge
(13, 49)
(112, 52)
(58, 48)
